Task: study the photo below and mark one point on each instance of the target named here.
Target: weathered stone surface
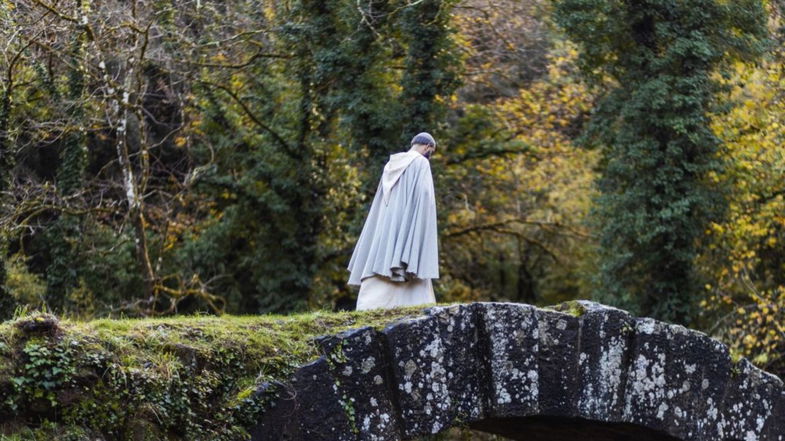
(279, 421)
(646, 389)
(697, 372)
(439, 368)
(512, 334)
(558, 363)
(675, 380)
(774, 428)
(358, 365)
(750, 401)
(606, 335)
(540, 428)
(309, 409)
(526, 373)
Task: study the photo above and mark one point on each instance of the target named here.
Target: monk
(397, 255)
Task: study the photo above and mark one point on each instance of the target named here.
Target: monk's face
(429, 150)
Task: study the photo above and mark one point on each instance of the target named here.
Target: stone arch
(588, 372)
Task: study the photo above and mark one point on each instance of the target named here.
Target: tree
(71, 167)
(429, 74)
(96, 182)
(659, 57)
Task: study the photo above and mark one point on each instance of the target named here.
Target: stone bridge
(589, 372)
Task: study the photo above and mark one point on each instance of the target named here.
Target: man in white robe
(397, 256)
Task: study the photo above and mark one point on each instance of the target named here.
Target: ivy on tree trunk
(652, 125)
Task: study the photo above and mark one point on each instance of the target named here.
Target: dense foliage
(185, 155)
(744, 259)
(168, 156)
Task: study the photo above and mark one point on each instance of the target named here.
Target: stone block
(774, 428)
(646, 389)
(697, 372)
(358, 364)
(606, 335)
(512, 335)
(751, 398)
(439, 369)
(308, 409)
(557, 359)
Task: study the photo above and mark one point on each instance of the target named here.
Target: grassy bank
(181, 378)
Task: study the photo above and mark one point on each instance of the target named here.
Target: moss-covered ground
(180, 378)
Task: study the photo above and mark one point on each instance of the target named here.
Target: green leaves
(46, 369)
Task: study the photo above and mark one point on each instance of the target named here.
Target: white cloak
(399, 238)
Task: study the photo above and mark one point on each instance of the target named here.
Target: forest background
(180, 156)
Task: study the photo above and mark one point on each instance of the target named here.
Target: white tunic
(379, 292)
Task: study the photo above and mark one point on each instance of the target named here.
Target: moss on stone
(572, 307)
(179, 378)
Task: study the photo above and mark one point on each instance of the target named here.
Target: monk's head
(424, 143)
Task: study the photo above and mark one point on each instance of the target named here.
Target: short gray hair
(424, 138)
